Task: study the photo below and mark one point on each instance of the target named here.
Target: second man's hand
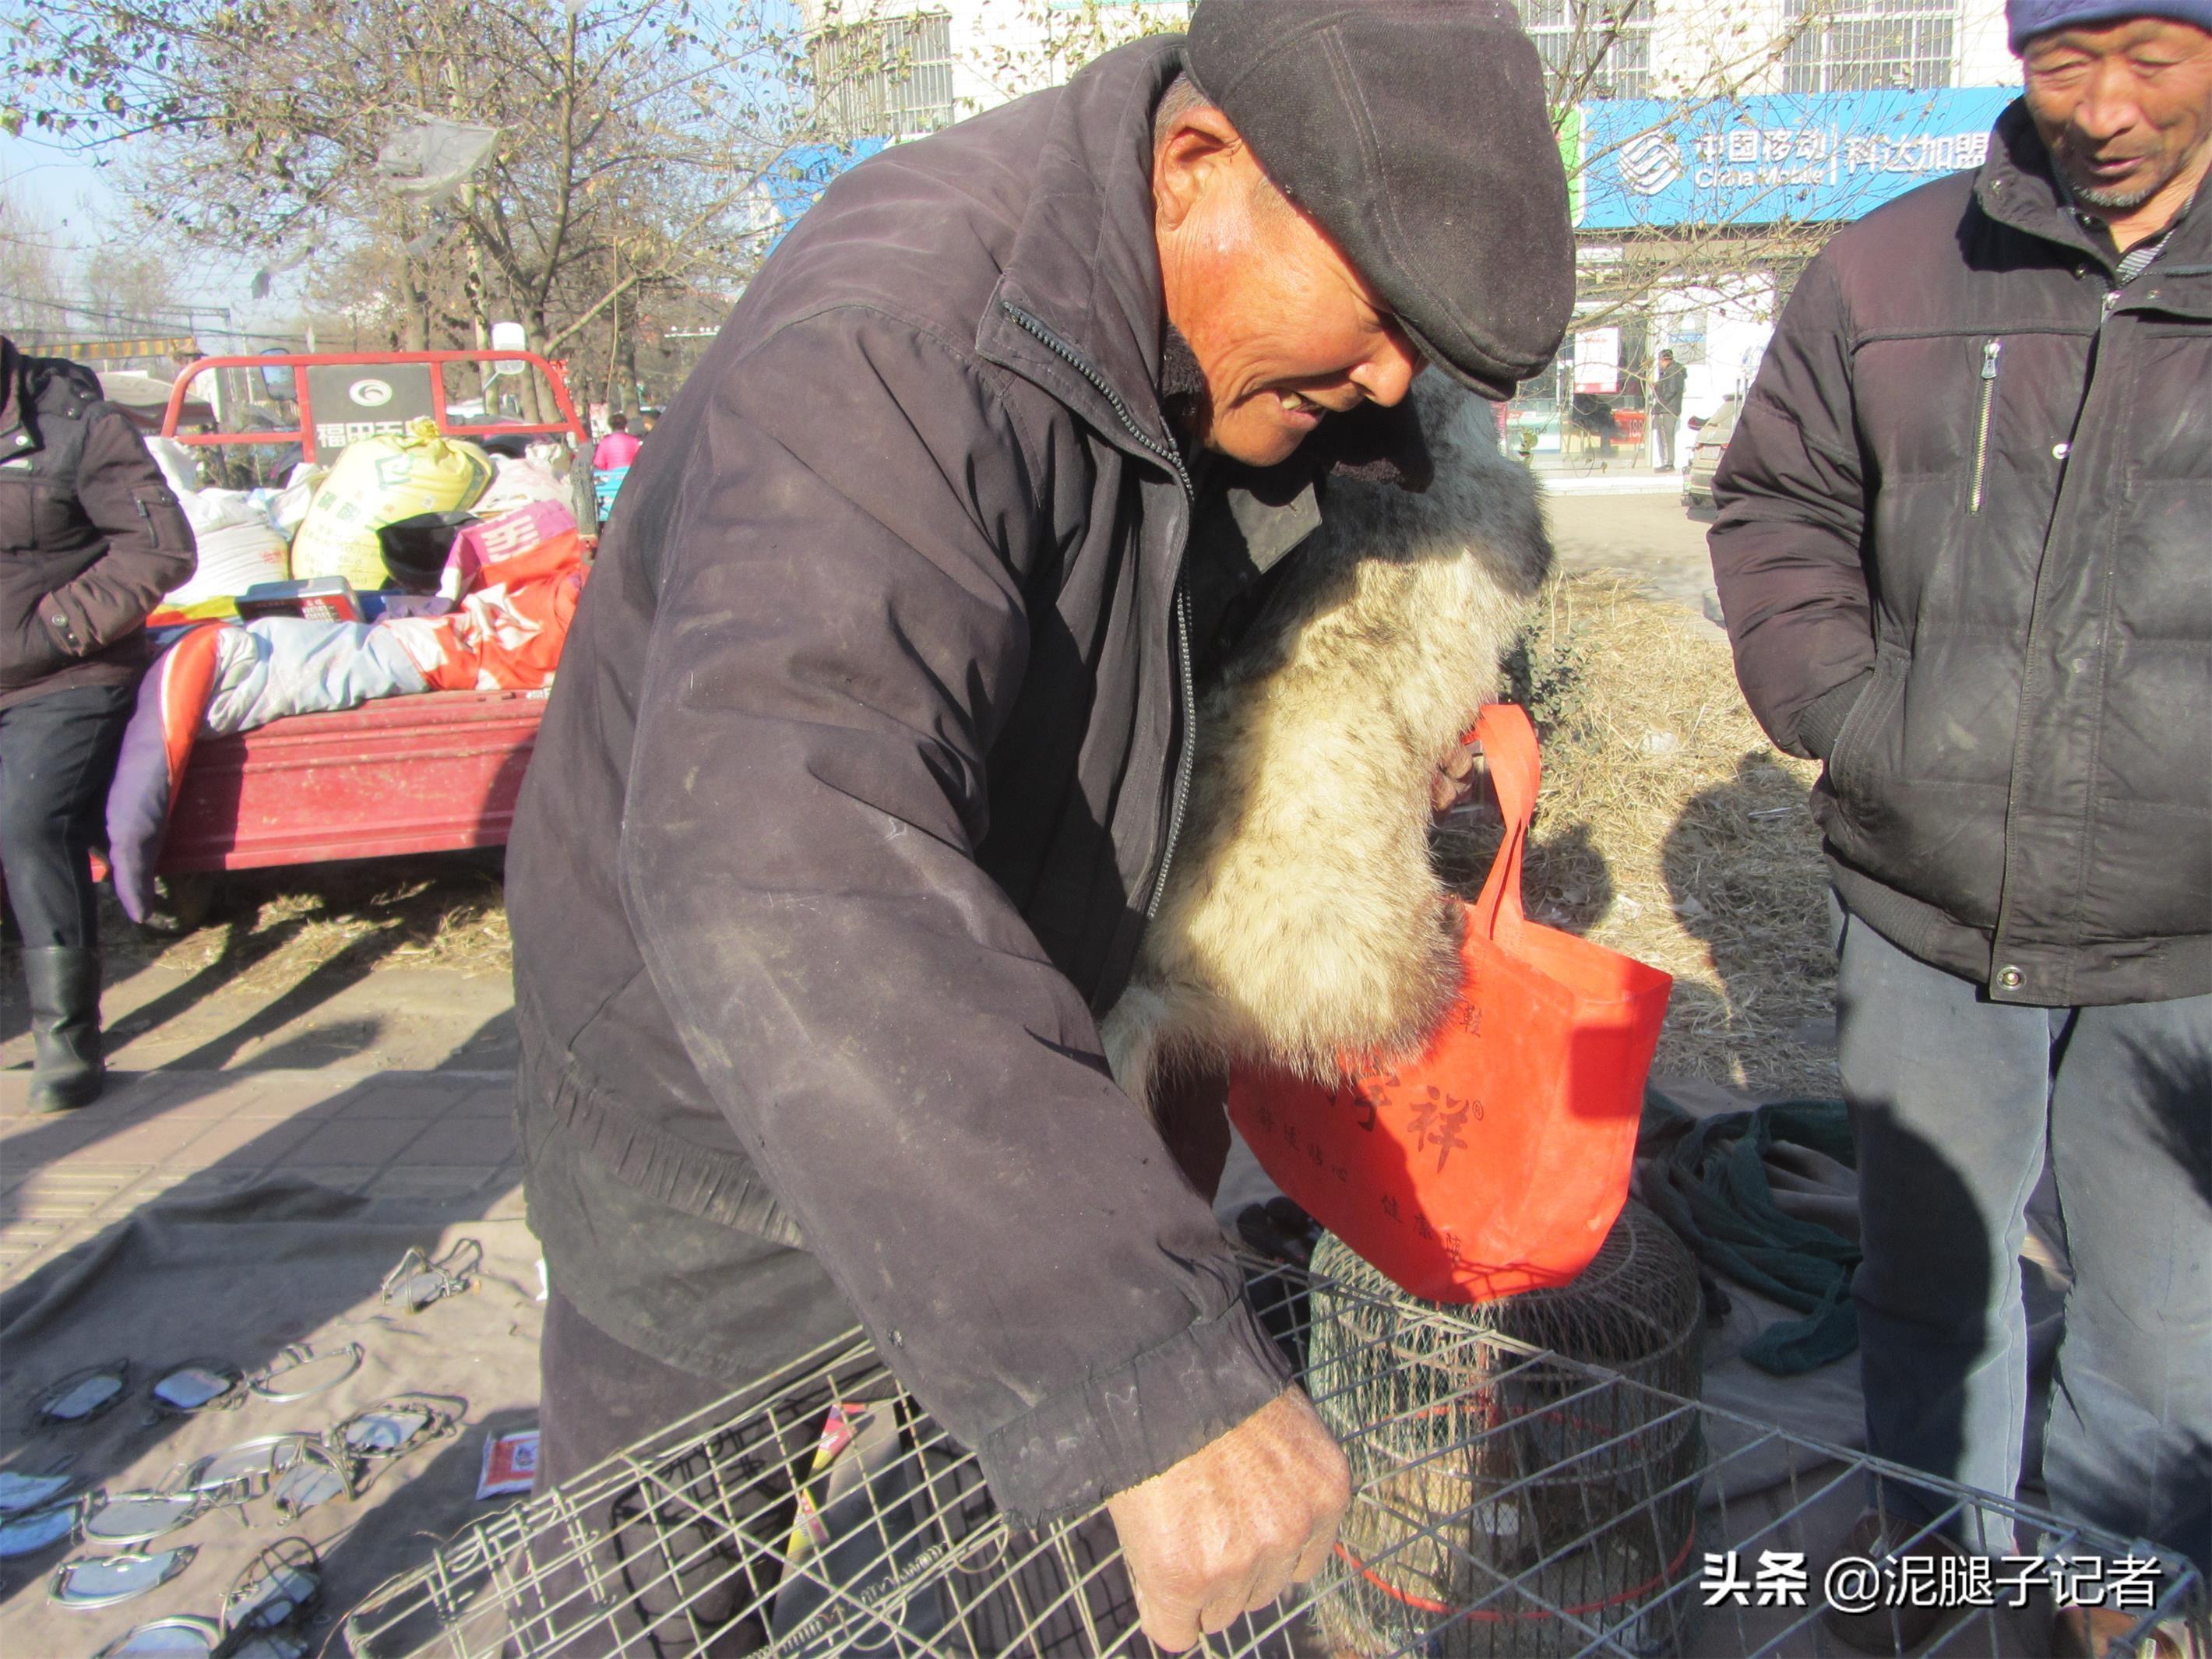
(1228, 1530)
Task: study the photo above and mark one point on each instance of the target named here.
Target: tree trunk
(487, 388)
(635, 391)
(537, 402)
(615, 398)
(415, 316)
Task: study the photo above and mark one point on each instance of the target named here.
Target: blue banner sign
(1644, 163)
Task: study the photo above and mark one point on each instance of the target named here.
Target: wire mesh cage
(1505, 1489)
(822, 1513)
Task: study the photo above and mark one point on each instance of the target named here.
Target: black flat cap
(1415, 133)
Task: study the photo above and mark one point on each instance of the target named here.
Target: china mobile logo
(1649, 162)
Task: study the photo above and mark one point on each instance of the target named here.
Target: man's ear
(1195, 155)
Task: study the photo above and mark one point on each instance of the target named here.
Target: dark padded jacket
(1962, 549)
(859, 776)
(91, 536)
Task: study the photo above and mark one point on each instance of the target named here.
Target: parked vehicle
(434, 772)
(1713, 434)
(438, 772)
(329, 399)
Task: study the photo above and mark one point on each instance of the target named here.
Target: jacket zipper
(1981, 427)
(1186, 691)
(2007, 904)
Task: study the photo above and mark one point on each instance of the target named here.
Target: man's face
(2125, 108)
(1284, 328)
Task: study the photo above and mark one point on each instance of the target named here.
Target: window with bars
(1861, 45)
(1593, 48)
(890, 77)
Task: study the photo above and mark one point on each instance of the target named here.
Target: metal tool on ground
(35, 1530)
(182, 1636)
(197, 1385)
(136, 1517)
(21, 1493)
(193, 1385)
(418, 1281)
(264, 1615)
(91, 1582)
(371, 1439)
(316, 1478)
(300, 1372)
(82, 1396)
(280, 1589)
(246, 1469)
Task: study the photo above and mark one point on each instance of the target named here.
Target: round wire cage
(1493, 1496)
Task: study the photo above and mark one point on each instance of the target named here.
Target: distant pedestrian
(91, 538)
(618, 448)
(1666, 408)
(1961, 548)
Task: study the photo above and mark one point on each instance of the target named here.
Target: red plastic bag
(1497, 1162)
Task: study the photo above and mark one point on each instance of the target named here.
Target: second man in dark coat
(1962, 551)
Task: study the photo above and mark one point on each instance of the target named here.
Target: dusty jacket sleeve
(1792, 494)
(840, 633)
(149, 542)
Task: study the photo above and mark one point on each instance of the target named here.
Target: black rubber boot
(64, 981)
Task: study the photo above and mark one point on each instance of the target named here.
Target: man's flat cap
(1414, 132)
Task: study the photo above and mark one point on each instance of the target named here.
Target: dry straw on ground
(1669, 828)
(273, 927)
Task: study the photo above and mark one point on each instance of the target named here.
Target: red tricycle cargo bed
(433, 773)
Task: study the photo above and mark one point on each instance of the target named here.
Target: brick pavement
(397, 1133)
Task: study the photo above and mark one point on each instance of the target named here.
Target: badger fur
(1303, 922)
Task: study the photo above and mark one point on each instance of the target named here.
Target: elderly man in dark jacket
(867, 760)
(1962, 549)
(91, 537)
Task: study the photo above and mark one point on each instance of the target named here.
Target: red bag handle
(1509, 746)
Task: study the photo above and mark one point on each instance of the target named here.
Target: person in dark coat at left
(91, 538)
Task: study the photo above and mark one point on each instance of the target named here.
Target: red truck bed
(434, 773)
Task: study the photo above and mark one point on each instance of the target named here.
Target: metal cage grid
(1505, 1489)
(821, 1512)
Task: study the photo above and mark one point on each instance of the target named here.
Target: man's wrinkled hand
(1459, 775)
(1228, 1530)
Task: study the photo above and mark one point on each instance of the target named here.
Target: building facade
(1712, 145)
(1704, 182)
(922, 67)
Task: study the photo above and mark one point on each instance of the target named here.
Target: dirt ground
(395, 963)
(1651, 539)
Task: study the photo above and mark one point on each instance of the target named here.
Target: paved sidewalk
(415, 1134)
(1656, 544)
(1617, 481)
